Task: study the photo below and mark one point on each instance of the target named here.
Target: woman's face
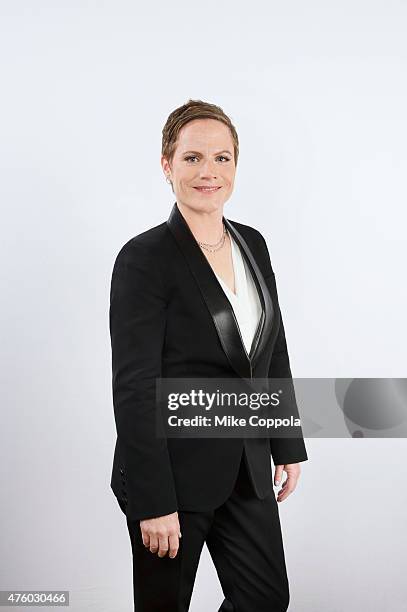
(204, 157)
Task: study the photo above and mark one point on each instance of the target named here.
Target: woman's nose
(208, 169)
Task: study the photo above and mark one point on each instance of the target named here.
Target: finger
(278, 474)
(163, 546)
(146, 539)
(174, 546)
(289, 481)
(283, 493)
(153, 543)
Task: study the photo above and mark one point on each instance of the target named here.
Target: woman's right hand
(161, 534)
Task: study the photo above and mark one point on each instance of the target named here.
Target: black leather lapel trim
(268, 318)
(214, 296)
(212, 293)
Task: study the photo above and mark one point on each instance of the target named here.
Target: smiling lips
(207, 189)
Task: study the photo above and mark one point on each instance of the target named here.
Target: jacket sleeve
(283, 450)
(137, 319)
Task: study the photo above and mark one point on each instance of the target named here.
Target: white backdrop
(318, 94)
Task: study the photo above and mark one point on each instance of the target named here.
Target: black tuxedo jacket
(169, 317)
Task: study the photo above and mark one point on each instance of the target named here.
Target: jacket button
(121, 471)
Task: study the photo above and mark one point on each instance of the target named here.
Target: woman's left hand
(293, 471)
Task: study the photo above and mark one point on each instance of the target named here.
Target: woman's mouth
(207, 189)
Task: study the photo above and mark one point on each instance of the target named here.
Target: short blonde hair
(193, 109)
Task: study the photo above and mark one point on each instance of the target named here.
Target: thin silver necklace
(218, 245)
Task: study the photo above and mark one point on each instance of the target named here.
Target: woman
(196, 297)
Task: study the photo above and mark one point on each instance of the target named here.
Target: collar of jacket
(217, 302)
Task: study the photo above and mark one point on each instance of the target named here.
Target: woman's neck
(205, 226)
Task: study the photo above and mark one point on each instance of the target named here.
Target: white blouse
(246, 302)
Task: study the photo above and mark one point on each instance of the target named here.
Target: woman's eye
(189, 157)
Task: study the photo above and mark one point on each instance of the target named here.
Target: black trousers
(244, 539)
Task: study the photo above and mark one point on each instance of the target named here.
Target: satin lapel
(218, 304)
(268, 318)
(212, 293)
